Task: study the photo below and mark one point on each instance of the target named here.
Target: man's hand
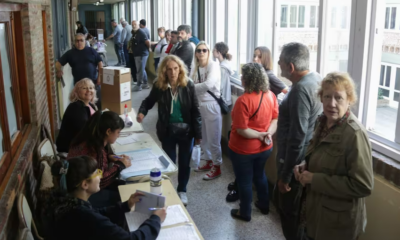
(139, 117)
(283, 187)
(306, 178)
(299, 169)
(59, 73)
(134, 198)
(197, 141)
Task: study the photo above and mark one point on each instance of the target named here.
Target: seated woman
(179, 120)
(94, 140)
(83, 105)
(69, 215)
(337, 171)
(254, 121)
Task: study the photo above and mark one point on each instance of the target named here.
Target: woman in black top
(262, 55)
(83, 105)
(81, 29)
(69, 215)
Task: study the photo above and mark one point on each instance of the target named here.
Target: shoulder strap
(262, 95)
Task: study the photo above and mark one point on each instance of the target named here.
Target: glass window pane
(284, 9)
(397, 83)
(302, 10)
(293, 16)
(382, 75)
(243, 32)
(337, 37)
(220, 20)
(388, 76)
(233, 25)
(313, 16)
(265, 25)
(393, 18)
(396, 98)
(387, 16)
(5, 64)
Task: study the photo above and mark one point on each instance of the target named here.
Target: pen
(153, 209)
(117, 157)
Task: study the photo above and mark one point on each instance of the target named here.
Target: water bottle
(155, 181)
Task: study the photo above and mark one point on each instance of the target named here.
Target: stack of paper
(175, 215)
(183, 232)
(127, 140)
(141, 161)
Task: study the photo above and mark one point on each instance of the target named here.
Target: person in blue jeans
(116, 36)
(141, 53)
(179, 119)
(254, 121)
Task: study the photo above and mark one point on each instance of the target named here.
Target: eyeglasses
(79, 40)
(98, 172)
(202, 50)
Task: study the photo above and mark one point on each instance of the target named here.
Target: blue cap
(155, 172)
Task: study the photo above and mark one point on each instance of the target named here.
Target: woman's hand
(261, 136)
(139, 117)
(125, 160)
(298, 169)
(306, 178)
(162, 213)
(268, 138)
(134, 198)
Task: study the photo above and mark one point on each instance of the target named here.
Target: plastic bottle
(126, 111)
(155, 181)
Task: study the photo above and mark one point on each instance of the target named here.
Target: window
(293, 16)
(298, 15)
(284, 14)
(313, 17)
(121, 7)
(13, 93)
(302, 10)
(220, 19)
(233, 25)
(243, 32)
(264, 23)
(60, 27)
(390, 17)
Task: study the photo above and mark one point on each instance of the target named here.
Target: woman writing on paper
(69, 215)
(179, 120)
(94, 140)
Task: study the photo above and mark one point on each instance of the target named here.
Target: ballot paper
(142, 160)
(175, 215)
(183, 232)
(127, 140)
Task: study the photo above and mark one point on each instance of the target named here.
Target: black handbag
(262, 95)
(179, 130)
(221, 101)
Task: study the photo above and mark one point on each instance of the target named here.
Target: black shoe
(234, 214)
(231, 186)
(232, 196)
(264, 211)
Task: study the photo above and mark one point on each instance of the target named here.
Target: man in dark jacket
(185, 50)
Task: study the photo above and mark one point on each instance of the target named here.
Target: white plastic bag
(195, 161)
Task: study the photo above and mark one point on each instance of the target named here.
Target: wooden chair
(26, 234)
(46, 149)
(25, 216)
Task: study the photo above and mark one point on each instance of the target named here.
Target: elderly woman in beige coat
(337, 173)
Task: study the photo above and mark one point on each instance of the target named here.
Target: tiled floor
(207, 204)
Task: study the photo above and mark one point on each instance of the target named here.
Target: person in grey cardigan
(126, 35)
(298, 113)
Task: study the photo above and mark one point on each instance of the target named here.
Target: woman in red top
(254, 121)
(94, 140)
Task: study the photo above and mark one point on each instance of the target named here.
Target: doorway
(95, 20)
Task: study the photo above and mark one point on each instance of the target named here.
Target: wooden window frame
(11, 17)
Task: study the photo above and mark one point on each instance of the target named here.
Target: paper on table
(127, 140)
(184, 232)
(142, 160)
(175, 215)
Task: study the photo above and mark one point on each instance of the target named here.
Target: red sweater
(109, 173)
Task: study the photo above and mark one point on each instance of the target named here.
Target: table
(136, 127)
(172, 198)
(147, 142)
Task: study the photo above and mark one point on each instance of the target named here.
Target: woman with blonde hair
(179, 119)
(337, 172)
(207, 79)
(83, 105)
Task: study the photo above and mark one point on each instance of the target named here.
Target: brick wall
(21, 175)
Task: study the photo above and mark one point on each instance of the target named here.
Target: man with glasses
(185, 50)
(84, 62)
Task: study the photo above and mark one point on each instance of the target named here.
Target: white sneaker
(137, 88)
(145, 86)
(183, 197)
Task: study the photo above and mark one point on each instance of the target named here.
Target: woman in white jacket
(220, 52)
(207, 78)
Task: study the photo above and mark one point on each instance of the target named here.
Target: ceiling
(93, 1)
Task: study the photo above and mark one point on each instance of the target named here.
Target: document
(183, 232)
(127, 140)
(175, 215)
(141, 161)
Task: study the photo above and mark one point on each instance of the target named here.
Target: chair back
(26, 235)
(25, 216)
(46, 149)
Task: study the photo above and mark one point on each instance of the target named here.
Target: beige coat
(343, 177)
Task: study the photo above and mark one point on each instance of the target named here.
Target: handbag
(179, 130)
(221, 101)
(262, 95)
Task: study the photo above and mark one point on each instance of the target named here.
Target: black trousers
(288, 205)
(132, 66)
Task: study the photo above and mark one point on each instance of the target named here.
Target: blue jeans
(126, 54)
(248, 169)
(141, 74)
(185, 153)
(156, 62)
(119, 52)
